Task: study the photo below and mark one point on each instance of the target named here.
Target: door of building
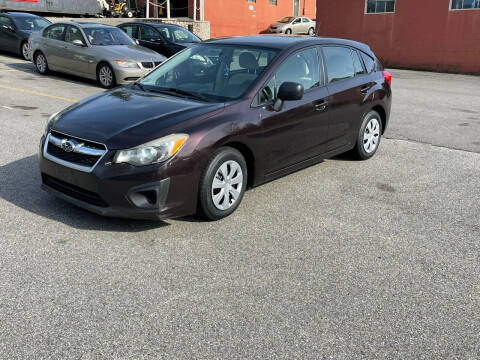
(296, 7)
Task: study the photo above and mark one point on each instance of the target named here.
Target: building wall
(419, 35)
(239, 17)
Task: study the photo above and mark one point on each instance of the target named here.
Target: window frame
(462, 9)
(381, 12)
(321, 76)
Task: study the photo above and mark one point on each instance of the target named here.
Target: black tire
(24, 45)
(311, 31)
(41, 65)
(288, 32)
(360, 151)
(129, 14)
(101, 79)
(206, 191)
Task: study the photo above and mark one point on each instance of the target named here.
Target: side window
(369, 62)
(5, 21)
(305, 20)
(338, 61)
(55, 32)
(267, 93)
(73, 34)
(297, 21)
(301, 67)
(148, 34)
(165, 32)
(358, 63)
(131, 30)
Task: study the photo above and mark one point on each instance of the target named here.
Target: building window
(464, 4)
(272, 2)
(380, 6)
(251, 0)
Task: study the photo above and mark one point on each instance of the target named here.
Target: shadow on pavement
(20, 185)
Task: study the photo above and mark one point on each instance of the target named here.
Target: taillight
(388, 77)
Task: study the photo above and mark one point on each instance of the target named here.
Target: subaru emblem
(68, 145)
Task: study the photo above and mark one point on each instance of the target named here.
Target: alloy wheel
(227, 185)
(25, 49)
(371, 136)
(106, 76)
(41, 63)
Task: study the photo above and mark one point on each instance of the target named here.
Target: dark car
(165, 39)
(217, 118)
(15, 28)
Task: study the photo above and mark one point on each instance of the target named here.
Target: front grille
(147, 65)
(87, 143)
(74, 191)
(72, 157)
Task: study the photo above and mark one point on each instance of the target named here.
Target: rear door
(300, 130)
(348, 88)
(8, 38)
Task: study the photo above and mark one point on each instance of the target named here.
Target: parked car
(93, 51)
(15, 28)
(165, 39)
(213, 120)
(293, 25)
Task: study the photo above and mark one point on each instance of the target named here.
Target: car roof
(282, 42)
(20, 14)
(154, 24)
(84, 25)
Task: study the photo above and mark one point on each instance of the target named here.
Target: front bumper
(120, 190)
(275, 30)
(129, 75)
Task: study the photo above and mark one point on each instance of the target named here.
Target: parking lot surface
(343, 260)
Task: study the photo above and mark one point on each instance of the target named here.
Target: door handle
(364, 90)
(321, 106)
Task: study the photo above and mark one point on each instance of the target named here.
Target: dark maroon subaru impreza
(215, 119)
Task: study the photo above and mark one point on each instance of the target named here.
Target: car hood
(277, 24)
(124, 118)
(130, 52)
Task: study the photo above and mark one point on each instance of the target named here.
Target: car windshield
(31, 23)
(177, 35)
(286, 19)
(210, 72)
(107, 36)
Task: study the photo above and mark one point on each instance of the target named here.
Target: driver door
(75, 58)
(297, 26)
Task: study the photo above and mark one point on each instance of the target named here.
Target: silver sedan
(94, 51)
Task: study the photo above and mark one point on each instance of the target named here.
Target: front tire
(41, 63)
(288, 32)
(106, 76)
(222, 184)
(369, 136)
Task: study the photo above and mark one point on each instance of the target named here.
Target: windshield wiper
(140, 86)
(181, 92)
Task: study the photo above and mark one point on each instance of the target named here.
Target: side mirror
(136, 41)
(158, 40)
(289, 91)
(78, 43)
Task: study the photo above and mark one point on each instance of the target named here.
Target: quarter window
(55, 32)
(339, 63)
(380, 6)
(301, 67)
(465, 4)
(267, 93)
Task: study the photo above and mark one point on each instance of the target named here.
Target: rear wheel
(223, 184)
(130, 14)
(311, 31)
(41, 63)
(369, 136)
(106, 76)
(25, 49)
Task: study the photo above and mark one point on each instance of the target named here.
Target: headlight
(126, 64)
(152, 152)
(50, 122)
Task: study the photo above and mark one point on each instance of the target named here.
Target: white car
(293, 25)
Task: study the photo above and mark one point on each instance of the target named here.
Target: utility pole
(147, 10)
(168, 9)
(194, 10)
(202, 10)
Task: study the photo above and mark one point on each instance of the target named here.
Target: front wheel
(222, 184)
(41, 63)
(288, 32)
(106, 76)
(369, 136)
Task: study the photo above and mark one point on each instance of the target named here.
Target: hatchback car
(215, 119)
(293, 25)
(15, 28)
(94, 51)
(165, 39)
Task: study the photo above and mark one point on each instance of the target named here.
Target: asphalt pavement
(343, 260)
